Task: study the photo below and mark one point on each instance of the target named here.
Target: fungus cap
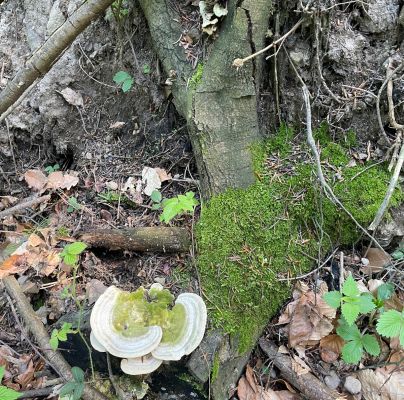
(184, 332)
(140, 365)
(117, 323)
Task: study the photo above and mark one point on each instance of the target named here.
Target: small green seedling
(60, 335)
(5, 392)
(73, 204)
(384, 292)
(156, 198)
(73, 389)
(351, 301)
(146, 69)
(391, 324)
(178, 205)
(124, 80)
(52, 168)
(71, 252)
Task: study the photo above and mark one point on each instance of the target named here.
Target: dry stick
(45, 56)
(36, 327)
(379, 94)
(238, 62)
(327, 189)
(30, 202)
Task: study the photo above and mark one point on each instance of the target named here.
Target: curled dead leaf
(72, 97)
(330, 348)
(36, 179)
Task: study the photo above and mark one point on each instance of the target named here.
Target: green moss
(215, 368)
(351, 139)
(197, 76)
(247, 238)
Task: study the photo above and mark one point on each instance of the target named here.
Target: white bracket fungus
(144, 329)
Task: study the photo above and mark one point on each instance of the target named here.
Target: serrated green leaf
(352, 352)
(62, 336)
(390, 324)
(8, 394)
(333, 298)
(156, 196)
(120, 77)
(78, 374)
(67, 388)
(75, 248)
(366, 303)
(348, 332)
(385, 291)
(127, 85)
(371, 345)
(350, 287)
(350, 312)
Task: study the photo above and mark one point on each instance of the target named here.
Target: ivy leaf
(75, 248)
(366, 303)
(371, 345)
(78, 391)
(127, 85)
(333, 299)
(8, 394)
(120, 77)
(352, 352)
(391, 324)
(350, 312)
(350, 287)
(78, 374)
(385, 291)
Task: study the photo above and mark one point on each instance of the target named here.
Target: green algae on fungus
(247, 238)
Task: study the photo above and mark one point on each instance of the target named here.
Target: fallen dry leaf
(163, 175)
(34, 240)
(15, 264)
(117, 125)
(151, 179)
(72, 97)
(36, 179)
(378, 260)
(94, 289)
(59, 180)
(330, 348)
(299, 366)
(7, 201)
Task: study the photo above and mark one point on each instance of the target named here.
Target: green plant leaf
(75, 248)
(350, 312)
(127, 85)
(2, 370)
(391, 324)
(54, 341)
(385, 291)
(146, 69)
(333, 298)
(352, 352)
(78, 374)
(8, 394)
(67, 388)
(348, 332)
(121, 76)
(366, 303)
(78, 391)
(156, 206)
(70, 259)
(350, 287)
(397, 255)
(371, 345)
(156, 196)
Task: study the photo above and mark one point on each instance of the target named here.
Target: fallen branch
(30, 202)
(309, 385)
(36, 327)
(44, 58)
(149, 239)
(326, 187)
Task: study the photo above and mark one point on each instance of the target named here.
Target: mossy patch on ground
(248, 238)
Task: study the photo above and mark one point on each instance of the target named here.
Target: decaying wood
(309, 385)
(43, 58)
(36, 327)
(27, 203)
(148, 239)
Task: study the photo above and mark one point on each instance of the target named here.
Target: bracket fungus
(146, 327)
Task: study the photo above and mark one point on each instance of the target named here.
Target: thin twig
(326, 187)
(30, 202)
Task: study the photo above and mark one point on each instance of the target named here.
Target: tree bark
(221, 110)
(153, 239)
(43, 58)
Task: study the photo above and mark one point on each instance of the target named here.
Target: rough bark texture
(221, 109)
(44, 57)
(153, 239)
